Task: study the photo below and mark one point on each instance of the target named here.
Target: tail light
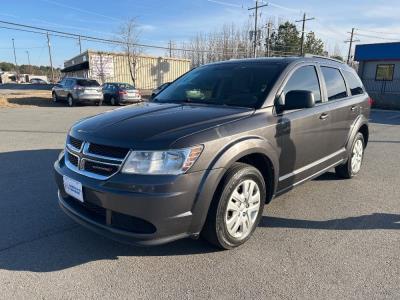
(370, 101)
(78, 88)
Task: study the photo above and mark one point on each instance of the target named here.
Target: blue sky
(178, 20)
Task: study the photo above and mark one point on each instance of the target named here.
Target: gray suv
(212, 148)
(77, 90)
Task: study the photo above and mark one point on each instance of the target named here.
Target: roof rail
(323, 57)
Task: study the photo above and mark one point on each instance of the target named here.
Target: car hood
(153, 125)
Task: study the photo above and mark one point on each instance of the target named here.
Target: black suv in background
(212, 148)
(77, 90)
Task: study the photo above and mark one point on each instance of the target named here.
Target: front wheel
(353, 165)
(236, 208)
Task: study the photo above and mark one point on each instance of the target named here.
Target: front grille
(75, 142)
(100, 168)
(94, 160)
(132, 224)
(72, 159)
(109, 151)
(93, 211)
(118, 220)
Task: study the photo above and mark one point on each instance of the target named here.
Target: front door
(301, 134)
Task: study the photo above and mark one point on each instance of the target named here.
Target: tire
(100, 103)
(354, 162)
(114, 101)
(70, 101)
(227, 211)
(54, 97)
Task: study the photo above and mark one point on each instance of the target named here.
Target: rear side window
(304, 79)
(335, 85)
(86, 82)
(354, 83)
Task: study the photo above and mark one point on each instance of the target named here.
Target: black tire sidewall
(72, 101)
(247, 172)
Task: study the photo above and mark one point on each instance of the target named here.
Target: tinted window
(87, 82)
(125, 86)
(354, 83)
(234, 84)
(304, 79)
(335, 85)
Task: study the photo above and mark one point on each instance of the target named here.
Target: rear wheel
(353, 165)
(70, 101)
(114, 101)
(236, 208)
(54, 97)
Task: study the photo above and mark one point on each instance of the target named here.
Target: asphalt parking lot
(329, 238)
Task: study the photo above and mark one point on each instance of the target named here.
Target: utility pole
(255, 25)
(29, 62)
(170, 48)
(351, 41)
(80, 44)
(303, 28)
(15, 57)
(268, 40)
(51, 60)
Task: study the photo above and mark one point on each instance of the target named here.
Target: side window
(334, 82)
(354, 83)
(304, 79)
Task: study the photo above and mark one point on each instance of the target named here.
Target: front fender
(217, 168)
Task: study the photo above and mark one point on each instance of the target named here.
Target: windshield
(84, 82)
(233, 84)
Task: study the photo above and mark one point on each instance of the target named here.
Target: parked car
(77, 90)
(159, 89)
(212, 148)
(38, 81)
(117, 93)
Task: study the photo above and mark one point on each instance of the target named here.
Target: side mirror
(298, 100)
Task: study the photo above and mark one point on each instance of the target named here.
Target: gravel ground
(328, 238)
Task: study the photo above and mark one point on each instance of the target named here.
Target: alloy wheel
(357, 156)
(243, 209)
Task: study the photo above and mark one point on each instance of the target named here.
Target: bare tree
(129, 34)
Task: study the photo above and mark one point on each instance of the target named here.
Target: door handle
(353, 108)
(324, 116)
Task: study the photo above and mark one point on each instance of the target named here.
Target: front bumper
(154, 209)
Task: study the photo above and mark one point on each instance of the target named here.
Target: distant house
(379, 69)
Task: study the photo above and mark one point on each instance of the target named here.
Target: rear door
(343, 107)
(301, 134)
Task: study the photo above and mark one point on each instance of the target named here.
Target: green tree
(313, 45)
(286, 40)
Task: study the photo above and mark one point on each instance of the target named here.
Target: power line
(377, 37)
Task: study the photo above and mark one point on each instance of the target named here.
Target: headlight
(174, 162)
